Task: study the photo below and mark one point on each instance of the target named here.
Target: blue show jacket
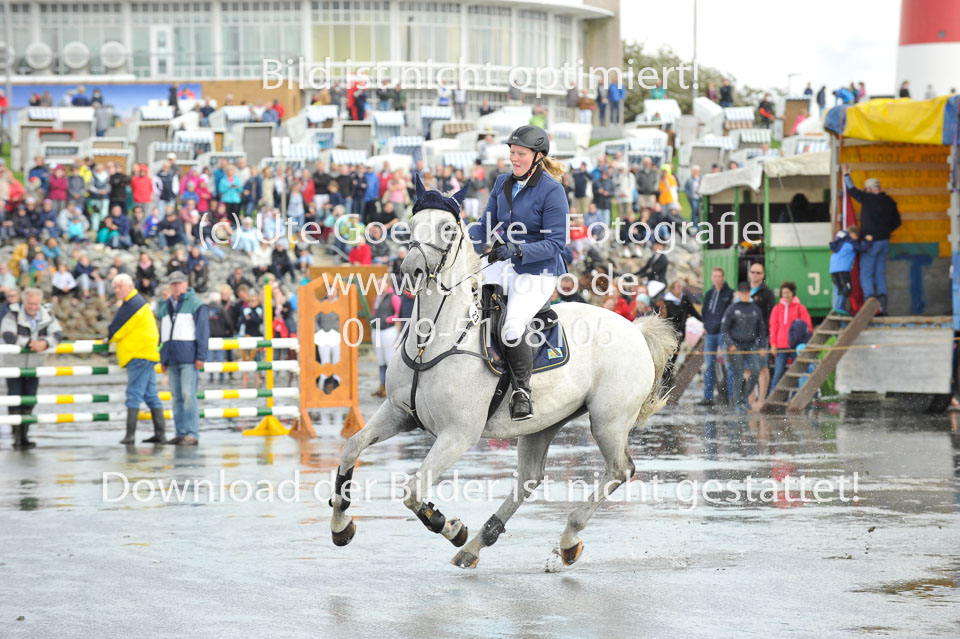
(541, 207)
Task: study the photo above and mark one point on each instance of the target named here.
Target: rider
(526, 216)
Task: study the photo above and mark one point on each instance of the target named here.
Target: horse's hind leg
(532, 456)
(385, 423)
(612, 441)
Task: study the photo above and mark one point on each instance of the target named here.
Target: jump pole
(269, 426)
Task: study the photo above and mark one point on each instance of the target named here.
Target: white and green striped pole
(206, 413)
(208, 367)
(94, 398)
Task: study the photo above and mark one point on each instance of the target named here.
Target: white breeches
(328, 346)
(526, 294)
(385, 343)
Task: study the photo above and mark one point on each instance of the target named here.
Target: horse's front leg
(386, 422)
(531, 467)
(450, 446)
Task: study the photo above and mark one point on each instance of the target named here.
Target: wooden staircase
(787, 397)
(685, 372)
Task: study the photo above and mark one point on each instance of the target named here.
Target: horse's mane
(473, 260)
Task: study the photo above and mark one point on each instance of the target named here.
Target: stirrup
(524, 397)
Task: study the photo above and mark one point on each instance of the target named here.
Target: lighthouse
(929, 51)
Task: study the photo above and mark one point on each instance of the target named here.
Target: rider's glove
(508, 251)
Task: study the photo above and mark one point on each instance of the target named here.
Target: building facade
(198, 41)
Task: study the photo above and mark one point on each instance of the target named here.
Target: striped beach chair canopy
(813, 145)
(324, 138)
(723, 141)
(60, 149)
(212, 159)
(158, 112)
(347, 156)
(309, 152)
(738, 114)
(614, 147)
(411, 145)
(237, 113)
(171, 147)
(388, 118)
(276, 163)
(42, 114)
(636, 156)
(197, 136)
(317, 113)
(753, 136)
(436, 112)
(460, 159)
(652, 145)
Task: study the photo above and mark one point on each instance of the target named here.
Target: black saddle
(493, 304)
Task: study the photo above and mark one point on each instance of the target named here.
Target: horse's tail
(662, 341)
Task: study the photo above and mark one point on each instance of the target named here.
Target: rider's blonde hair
(554, 168)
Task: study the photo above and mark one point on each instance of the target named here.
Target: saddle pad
(552, 353)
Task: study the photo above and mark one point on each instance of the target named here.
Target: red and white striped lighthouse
(929, 53)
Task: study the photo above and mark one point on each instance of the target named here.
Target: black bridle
(416, 363)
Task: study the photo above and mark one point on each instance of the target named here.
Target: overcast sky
(760, 41)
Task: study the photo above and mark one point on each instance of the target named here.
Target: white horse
(614, 375)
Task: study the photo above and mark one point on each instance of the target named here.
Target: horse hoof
(570, 555)
(345, 536)
(461, 537)
(465, 559)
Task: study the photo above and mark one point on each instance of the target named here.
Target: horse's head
(438, 241)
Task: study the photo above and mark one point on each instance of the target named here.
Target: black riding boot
(883, 304)
(520, 359)
(159, 427)
(17, 436)
(21, 442)
(132, 414)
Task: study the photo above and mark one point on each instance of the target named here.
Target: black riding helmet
(533, 138)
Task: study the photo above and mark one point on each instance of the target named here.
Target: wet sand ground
(73, 565)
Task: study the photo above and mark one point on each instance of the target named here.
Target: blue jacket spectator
(843, 252)
(42, 173)
(371, 183)
(184, 330)
(715, 303)
(616, 93)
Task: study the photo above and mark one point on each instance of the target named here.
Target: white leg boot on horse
(386, 422)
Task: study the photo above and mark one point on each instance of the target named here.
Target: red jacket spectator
(308, 191)
(58, 187)
(578, 232)
(360, 254)
(781, 317)
(142, 187)
(384, 182)
(626, 308)
(279, 109)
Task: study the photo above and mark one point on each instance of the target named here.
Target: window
(93, 24)
(564, 41)
(187, 44)
(533, 38)
(254, 31)
(489, 39)
(429, 31)
(20, 22)
(357, 30)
